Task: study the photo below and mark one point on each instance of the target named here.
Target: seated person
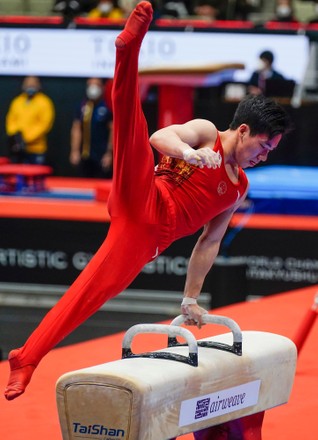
(264, 72)
(174, 9)
(284, 12)
(106, 9)
(206, 10)
(314, 18)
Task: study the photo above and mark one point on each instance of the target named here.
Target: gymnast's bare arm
(201, 261)
(192, 141)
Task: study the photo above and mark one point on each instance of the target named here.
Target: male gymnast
(199, 182)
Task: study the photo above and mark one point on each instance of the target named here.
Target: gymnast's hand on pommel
(202, 157)
(192, 312)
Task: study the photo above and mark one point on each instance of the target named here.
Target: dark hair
(268, 56)
(262, 115)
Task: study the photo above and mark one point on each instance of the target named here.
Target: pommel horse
(218, 384)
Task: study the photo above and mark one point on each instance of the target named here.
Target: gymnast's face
(252, 150)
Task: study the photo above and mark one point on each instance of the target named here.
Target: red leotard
(198, 194)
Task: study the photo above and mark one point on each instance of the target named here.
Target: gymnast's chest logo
(222, 188)
(177, 169)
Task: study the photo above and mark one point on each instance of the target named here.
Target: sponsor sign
(277, 260)
(47, 251)
(96, 431)
(258, 261)
(217, 404)
(89, 52)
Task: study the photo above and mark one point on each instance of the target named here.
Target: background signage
(86, 53)
(259, 261)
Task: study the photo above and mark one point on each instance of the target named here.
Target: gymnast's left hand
(193, 314)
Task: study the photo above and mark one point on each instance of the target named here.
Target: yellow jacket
(114, 13)
(33, 118)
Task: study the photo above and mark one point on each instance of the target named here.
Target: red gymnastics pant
(140, 221)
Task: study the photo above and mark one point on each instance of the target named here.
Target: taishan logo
(96, 429)
(222, 188)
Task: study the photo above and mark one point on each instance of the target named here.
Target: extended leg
(108, 273)
(129, 244)
(133, 188)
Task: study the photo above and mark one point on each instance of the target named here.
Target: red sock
(136, 25)
(19, 378)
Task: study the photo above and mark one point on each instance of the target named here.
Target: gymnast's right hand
(203, 157)
(192, 314)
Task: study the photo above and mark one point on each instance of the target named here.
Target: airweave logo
(97, 431)
(219, 403)
(206, 406)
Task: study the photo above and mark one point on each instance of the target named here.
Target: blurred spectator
(29, 119)
(91, 133)
(106, 9)
(127, 6)
(107, 93)
(231, 10)
(243, 8)
(284, 12)
(314, 19)
(69, 9)
(174, 9)
(207, 9)
(264, 72)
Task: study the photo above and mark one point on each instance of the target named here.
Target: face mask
(283, 11)
(261, 65)
(105, 8)
(30, 91)
(94, 92)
